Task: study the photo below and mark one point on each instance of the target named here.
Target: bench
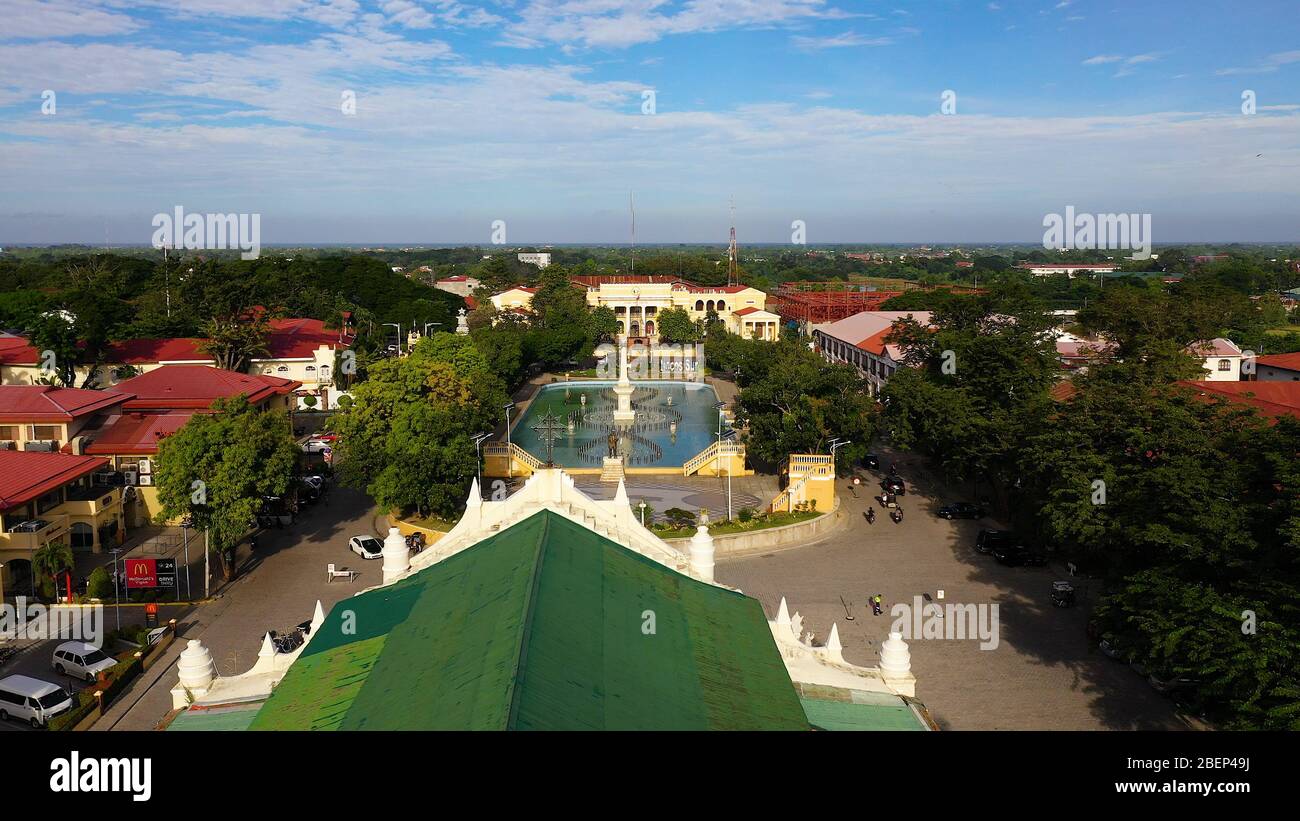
(331, 574)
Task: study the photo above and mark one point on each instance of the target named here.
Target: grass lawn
(434, 523)
(722, 528)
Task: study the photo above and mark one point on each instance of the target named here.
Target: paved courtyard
(1043, 675)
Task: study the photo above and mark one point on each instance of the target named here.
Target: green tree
(799, 402)
(604, 324)
(562, 327)
(218, 467)
(406, 437)
(233, 341)
(48, 561)
(675, 326)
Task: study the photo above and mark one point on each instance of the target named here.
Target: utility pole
(207, 570)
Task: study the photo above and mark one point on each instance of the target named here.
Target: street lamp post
(730, 435)
(117, 596)
(642, 514)
(398, 326)
(510, 459)
(2, 585)
(207, 569)
(186, 524)
(429, 325)
(478, 459)
(835, 444)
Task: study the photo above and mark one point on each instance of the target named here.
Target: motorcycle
(876, 609)
(870, 515)
(897, 515)
(1062, 594)
(415, 542)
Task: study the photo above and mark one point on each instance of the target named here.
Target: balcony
(55, 527)
(90, 501)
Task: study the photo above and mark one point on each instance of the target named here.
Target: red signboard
(141, 573)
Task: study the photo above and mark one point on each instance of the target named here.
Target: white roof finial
(268, 649)
(783, 613)
(620, 496)
(475, 496)
(835, 650)
(317, 617)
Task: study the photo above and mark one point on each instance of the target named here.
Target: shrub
(679, 518)
(745, 514)
(99, 585)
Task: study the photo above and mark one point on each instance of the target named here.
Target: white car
(367, 547)
(32, 700)
(81, 660)
(317, 446)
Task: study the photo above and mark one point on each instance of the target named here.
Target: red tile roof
(152, 351)
(15, 350)
(299, 338)
(1271, 399)
(43, 403)
(136, 434)
(1289, 361)
(1214, 347)
(26, 475)
(745, 311)
(196, 387)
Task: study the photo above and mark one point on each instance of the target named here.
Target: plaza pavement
(1044, 675)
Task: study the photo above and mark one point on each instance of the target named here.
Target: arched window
(621, 327)
(649, 327)
(282, 369)
(1225, 365)
(311, 369)
(722, 306)
(699, 305)
(710, 305)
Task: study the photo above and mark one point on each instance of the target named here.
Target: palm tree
(50, 560)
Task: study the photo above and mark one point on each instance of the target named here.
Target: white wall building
(859, 340)
(541, 260)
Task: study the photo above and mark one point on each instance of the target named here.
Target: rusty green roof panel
(546, 625)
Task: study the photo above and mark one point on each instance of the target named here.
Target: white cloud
(620, 24)
(847, 39)
(30, 19)
(1269, 65)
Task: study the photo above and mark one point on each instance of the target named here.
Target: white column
(397, 556)
(702, 553)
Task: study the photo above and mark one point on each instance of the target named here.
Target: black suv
(1018, 555)
(988, 540)
(961, 510)
(894, 484)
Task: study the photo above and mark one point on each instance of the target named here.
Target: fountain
(623, 414)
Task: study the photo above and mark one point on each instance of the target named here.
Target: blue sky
(531, 112)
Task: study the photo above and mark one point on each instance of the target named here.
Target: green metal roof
(214, 719)
(834, 708)
(540, 627)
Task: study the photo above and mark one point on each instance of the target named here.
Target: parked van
(80, 660)
(32, 700)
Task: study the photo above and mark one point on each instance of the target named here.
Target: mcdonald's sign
(141, 573)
